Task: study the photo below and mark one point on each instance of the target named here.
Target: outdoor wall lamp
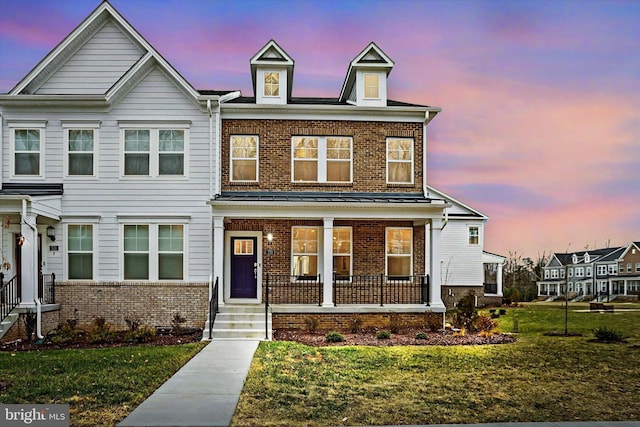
(270, 238)
(20, 240)
(51, 233)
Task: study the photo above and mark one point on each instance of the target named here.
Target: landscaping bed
(403, 337)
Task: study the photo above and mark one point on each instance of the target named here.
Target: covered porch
(327, 252)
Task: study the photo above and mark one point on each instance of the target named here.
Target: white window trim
(93, 221)
(231, 159)
(387, 255)
(96, 137)
(322, 159)
(478, 243)
(318, 248)
(350, 249)
(153, 247)
(154, 152)
(413, 155)
(27, 125)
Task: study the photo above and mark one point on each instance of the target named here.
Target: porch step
(7, 323)
(240, 322)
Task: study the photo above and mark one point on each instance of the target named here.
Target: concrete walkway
(204, 392)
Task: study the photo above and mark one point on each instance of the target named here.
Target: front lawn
(539, 378)
(102, 386)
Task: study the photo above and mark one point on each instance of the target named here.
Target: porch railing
(381, 289)
(8, 296)
(286, 289)
(48, 282)
(213, 307)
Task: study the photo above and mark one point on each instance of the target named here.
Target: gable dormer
(272, 74)
(366, 81)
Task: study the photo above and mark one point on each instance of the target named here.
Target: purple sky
(540, 128)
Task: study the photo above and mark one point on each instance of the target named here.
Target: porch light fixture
(51, 233)
(20, 240)
(270, 238)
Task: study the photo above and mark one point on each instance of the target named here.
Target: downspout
(211, 173)
(425, 190)
(224, 98)
(35, 283)
(1, 132)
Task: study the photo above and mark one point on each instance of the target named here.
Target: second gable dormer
(272, 74)
(366, 81)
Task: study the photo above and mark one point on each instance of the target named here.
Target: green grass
(102, 386)
(539, 378)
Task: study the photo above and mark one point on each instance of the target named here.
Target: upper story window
(589, 271)
(28, 150)
(474, 236)
(579, 271)
(154, 152)
(271, 83)
(601, 270)
(628, 267)
(400, 160)
(554, 273)
(571, 272)
(621, 268)
(546, 274)
(244, 158)
(80, 152)
(562, 273)
(637, 267)
(612, 269)
(399, 251)
(321, 159)
(371, 86)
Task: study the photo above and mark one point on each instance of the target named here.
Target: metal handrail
(8, 296)
(48, 288)
(288, 289)
(381, 289)
(213, 308)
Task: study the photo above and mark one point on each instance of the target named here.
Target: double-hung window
(244, 158)
(342, 249)
(321, 159)
(80, 144)
(80, 251)
(400, 160)
(153, 251)
(272, 83)
(304, 256)
(28, 150)
(154, 151)
(474, 235)
(399, 251)
(371, 86)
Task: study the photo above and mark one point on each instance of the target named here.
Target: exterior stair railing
(8, 296)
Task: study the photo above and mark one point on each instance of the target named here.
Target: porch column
(499, 278)
(435, 260)
(625, 286)
(327, 264)
(218, 255)
(29, 256)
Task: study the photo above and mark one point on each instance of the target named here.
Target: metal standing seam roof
(327, 197)
(31, 189)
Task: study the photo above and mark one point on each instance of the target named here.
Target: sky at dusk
(540, 128)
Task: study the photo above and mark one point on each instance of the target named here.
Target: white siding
(96, 66)
(461, 262)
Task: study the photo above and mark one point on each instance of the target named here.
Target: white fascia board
(489, 257)
(445, 196)
(84, 101)
(324, 112)
(271, 43)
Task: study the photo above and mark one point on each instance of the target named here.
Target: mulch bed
(193, 335)
(404, 337)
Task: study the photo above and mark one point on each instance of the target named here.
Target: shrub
(433, 321)
(483, 323)
(334, 336)
(421, 336)
(383, 335)
(395, 322)
(100, 331)
(65, 332)
(355, 324)
(141, 334)
(605, 334)
(502, 312)
(29, 324)
(311, 323)
(466, 311)
(177, 322)
(133, 323)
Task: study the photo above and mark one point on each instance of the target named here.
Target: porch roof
(31, 189)
(324, 197)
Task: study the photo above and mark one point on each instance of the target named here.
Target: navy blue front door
(244, 267)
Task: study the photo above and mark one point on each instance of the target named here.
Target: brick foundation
(50, 320)
(343, 322)
(458, 292)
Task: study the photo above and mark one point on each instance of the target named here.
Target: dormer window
(371, 86)
(271, 83)
(574, 259)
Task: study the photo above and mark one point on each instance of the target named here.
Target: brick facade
(369, 153)
(452, 294)
(343, 321)
(154, 303)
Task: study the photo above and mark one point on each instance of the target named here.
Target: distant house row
(597, 273)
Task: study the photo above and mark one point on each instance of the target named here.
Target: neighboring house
(575, 272)
(125, 192)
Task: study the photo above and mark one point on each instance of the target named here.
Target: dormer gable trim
(271, 55)
(632, 245)
(371, 57)
(83, 32)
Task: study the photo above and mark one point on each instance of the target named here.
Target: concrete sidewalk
(204, 392)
